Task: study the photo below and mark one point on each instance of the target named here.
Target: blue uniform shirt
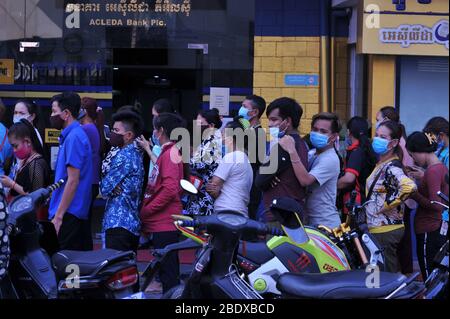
(75, 151)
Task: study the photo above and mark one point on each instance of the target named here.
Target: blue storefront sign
(301, 79)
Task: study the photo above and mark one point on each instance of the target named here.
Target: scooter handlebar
(443, 196)
(257, 227)
(55, 186)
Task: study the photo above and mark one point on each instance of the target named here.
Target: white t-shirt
(236, 171)
(321, 198)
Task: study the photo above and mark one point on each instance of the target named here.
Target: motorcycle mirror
(188, 187)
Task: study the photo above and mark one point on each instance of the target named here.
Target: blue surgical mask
(155, 140)
(244, 112)
(319, 141)
(380, 145)
(275, 132)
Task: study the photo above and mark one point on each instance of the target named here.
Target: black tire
(174, 293)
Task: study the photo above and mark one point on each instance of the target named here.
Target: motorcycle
(260, 262)
(370, 283)
(215, 275)
(354, 238)
(299, 249)
(33, 274)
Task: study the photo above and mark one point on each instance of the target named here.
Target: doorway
(142, 76)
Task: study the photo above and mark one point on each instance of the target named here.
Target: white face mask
(17, 118)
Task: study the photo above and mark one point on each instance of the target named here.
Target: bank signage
(421, 29)
(122, 13)
(407, 35)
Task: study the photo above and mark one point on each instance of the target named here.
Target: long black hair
(212, 117)
(359, 128)
(437, 125)
(24, 129)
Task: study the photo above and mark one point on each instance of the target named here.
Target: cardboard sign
(52, 136)
(6, 71)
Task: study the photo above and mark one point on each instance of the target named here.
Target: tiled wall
(288, 41)
(277, 56)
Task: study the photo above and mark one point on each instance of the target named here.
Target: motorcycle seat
(338, 285)
(256, 252)
(89, 262)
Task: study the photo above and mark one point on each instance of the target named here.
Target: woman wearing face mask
(205, 160)
(429, 225)
(152, 146)
(233, 178)
(388, 186)
(33, 172)
(359, 162)
(388, 113)
(163, 197)
(25, 109)
(87, 118)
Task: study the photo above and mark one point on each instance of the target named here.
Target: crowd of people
(397, 173)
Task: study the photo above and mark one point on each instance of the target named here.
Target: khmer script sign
(407, 35)
(421, 29)
(119, 13)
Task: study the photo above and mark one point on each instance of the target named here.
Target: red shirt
(162, 196)
(429, 216)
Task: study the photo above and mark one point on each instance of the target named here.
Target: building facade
(351, 57)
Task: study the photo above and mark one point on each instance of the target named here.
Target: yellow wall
(277, 56)
(381, 84)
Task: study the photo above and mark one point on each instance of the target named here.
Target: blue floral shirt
(122, 187)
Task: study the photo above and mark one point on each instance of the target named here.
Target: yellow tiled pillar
(275, 57)
(381, 84)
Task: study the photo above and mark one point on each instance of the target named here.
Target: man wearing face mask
(252, 110)
(122, 185)
(284, 120)
(324, 168)
(69, 205)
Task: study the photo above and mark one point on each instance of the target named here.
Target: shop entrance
(142, 76)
